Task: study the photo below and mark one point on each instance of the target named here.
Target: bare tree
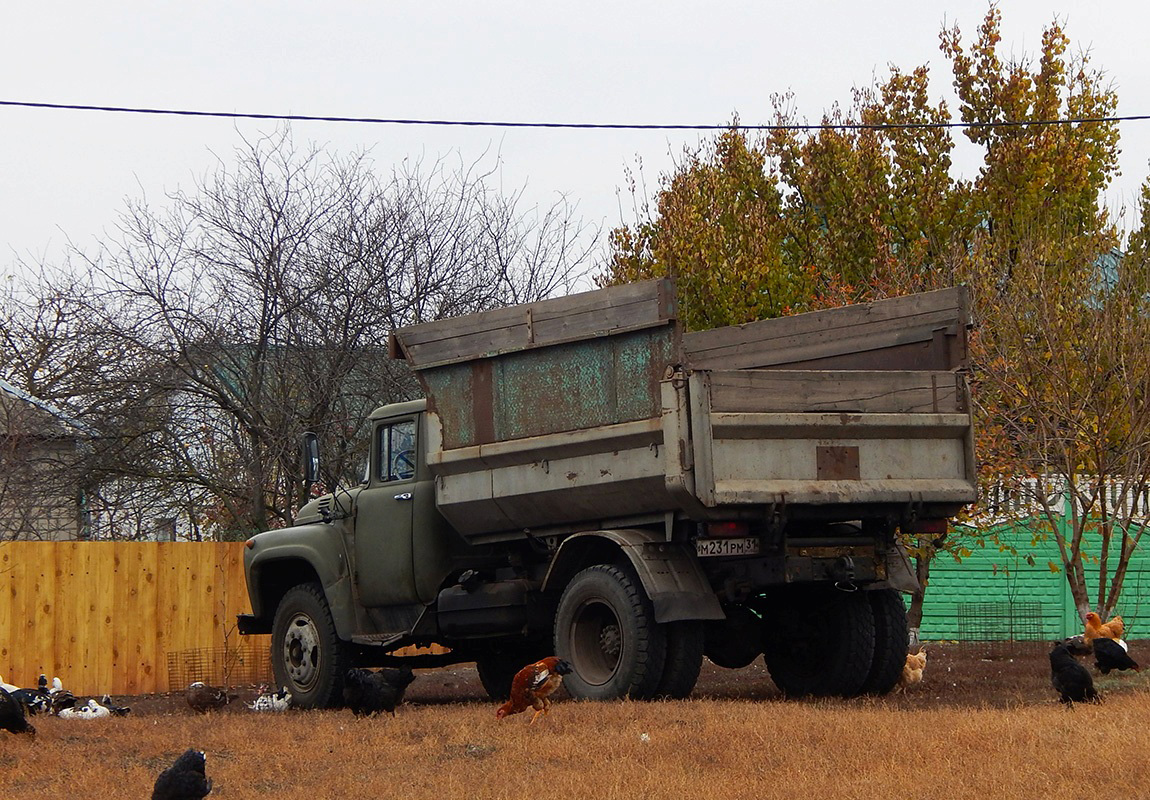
(257, 305)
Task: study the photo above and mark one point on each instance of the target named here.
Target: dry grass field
(979, 726)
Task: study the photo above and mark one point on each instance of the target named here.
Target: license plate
(745, 546)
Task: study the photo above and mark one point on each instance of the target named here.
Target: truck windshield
(397, 451)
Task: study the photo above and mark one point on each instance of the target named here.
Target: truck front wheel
(497, 668)
(605, 627)
(308, 656)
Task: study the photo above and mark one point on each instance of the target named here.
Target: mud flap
(899, 571)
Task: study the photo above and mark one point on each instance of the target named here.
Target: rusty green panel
(449, 390)
(563, 387)
(640, 362)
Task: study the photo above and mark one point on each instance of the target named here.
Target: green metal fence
(995, 595)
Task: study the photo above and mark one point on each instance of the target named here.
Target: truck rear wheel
(308, 657)
(684, 658)
(605, 627)
(734, 642)
(891, 637)
(819, 641)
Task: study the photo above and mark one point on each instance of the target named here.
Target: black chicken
(1069, 678)
(184, 780)
(366, 692)
(203, 698)
(12, 717)
(1108, 655)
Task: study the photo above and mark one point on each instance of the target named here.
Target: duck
(90, 710)
(116, 711)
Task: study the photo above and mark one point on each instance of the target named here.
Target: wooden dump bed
(594, 410)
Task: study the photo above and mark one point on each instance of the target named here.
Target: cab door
(383, 518)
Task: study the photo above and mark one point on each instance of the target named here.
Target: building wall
(41, 468)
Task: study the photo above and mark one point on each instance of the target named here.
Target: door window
(397, 451)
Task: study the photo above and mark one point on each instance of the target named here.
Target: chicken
(12, 717)
(1109, 655)
(912, 669)
(271, 701)
(1078, 646)
(533, 686)
(1096, 628)
(203, 698)
(116, 711)
(185, 779)
(1069, 678)
(366, 692)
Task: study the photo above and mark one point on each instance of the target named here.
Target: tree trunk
(914, 614)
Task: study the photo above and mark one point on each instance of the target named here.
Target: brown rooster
(532, 687)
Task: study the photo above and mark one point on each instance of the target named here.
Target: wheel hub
(611, 641)
(301, 652)
(596, 642)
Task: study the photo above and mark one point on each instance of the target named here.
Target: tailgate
(820, 438)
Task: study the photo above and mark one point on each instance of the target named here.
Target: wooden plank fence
(110, 616)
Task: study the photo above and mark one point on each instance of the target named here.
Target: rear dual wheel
(498, 667)
(891, 636)
(605, 627)
(819, 641)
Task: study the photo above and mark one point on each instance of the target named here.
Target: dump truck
(582, 478)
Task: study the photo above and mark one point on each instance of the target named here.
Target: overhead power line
(574, 125)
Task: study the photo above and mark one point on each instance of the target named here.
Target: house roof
(68, 423)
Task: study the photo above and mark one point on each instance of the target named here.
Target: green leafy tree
(1061, 369)
(1038, 180)
(867, 207)
(716, 231)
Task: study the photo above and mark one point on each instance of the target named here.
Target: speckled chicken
(533, 686)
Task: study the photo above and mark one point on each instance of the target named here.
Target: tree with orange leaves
(865, 212)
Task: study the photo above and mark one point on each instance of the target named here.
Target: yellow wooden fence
(108, 616)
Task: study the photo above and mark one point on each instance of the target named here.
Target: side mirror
(310, 458)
